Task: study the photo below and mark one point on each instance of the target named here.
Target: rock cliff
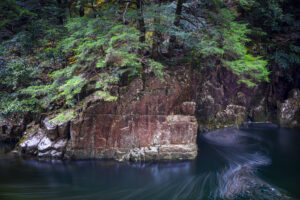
(152, 120)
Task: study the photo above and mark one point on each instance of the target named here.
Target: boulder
(36, 142)
(129, 137)
(50, 128)
(289, 110)
(258, 112)
(188, 108)
(232, 115)
(31, 139)
(45, 144)
(242, 99)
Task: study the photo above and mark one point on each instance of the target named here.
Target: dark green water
(260, 162)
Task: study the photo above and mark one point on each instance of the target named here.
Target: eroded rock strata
(152, 120)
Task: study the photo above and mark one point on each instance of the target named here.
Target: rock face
(36, 142)
(222, 101)
(155, 120)
(12, 128)
(289, 110)
(233, 114)
(258, 112)
(152, 120)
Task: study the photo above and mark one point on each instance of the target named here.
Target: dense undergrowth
(54, 53)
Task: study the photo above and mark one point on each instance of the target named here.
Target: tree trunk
(156, 34)
(141, 21)
(178, 11)
(60, 17)
(81, 10)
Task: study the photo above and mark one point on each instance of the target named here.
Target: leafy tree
(55, 52)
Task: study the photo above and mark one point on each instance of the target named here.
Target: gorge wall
(154, 119)
(151, 120)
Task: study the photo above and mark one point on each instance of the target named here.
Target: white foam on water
(239, 179)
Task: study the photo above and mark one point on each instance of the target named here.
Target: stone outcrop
(233, 114)
(289, 110)
(222, 101)
(36, 142)
(156, 120)
(258, 112)
(12, 128)
(151, 120)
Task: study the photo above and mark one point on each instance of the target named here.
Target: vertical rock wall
(152, 120)
(155, 120)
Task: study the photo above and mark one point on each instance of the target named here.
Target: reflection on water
(253, 163)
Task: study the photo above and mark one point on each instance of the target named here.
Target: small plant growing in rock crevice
(64, 117)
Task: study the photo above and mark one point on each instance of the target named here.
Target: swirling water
(259, 162)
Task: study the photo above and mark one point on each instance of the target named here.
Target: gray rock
(232, 115)
(258, 112)
(289, 110)
(50, 128)
(29, 144)
(45, 144)
(188, 108)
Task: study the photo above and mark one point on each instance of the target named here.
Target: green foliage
(277, 18)
(250, 69)
(157, 68)
(71, 88)
(11, 11)
(17, 73)
(272, 14)
(287, 58)
(106, 96)
(54, 53)
(222, 37)
(64, 117)
(96, 49)
(105, 80)
(97, 45)
(39, 91)
(11, 103)
(61, 88)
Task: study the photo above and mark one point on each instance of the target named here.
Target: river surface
(259, 162)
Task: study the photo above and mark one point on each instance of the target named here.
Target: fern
(250, 69)
(71, 88)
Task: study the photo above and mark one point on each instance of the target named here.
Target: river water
(258, 162)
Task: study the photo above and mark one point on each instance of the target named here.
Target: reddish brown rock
(63, 129)
(115, 136)
(143, 125)
(151, 120)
